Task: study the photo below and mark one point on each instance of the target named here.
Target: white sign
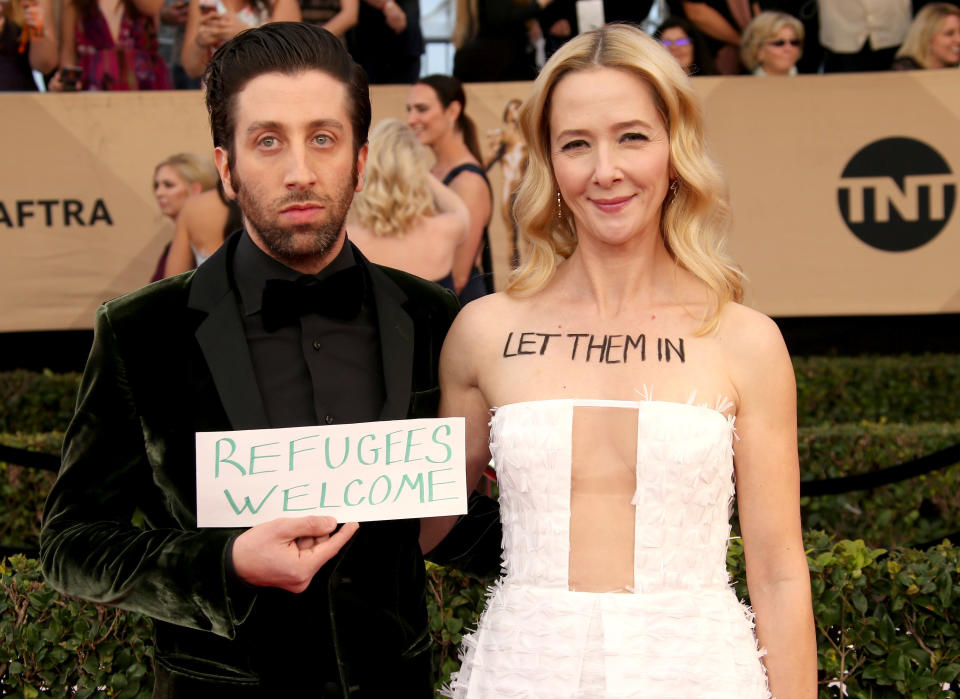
(356, 473)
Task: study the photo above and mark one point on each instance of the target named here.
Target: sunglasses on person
(783, 42)
(675, 42)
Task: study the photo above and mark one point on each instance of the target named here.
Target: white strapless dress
(678, 630)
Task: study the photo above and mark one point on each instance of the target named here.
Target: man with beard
(286, 325)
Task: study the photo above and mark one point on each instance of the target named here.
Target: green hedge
(36, 402)
(50, 644)
(909, 512)
(907, 388)
(904, 388)
(887, 625)
(23, 490)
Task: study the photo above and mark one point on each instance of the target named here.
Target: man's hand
(395, 17)
(268, 555)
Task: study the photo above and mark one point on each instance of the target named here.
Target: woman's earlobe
(454, 110)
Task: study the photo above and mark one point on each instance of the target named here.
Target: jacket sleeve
(89, 547)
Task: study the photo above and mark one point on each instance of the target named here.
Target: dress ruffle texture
(681, 632)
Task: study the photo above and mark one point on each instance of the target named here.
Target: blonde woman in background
(404, 217)
(933, 40)
(772, 44)
(176, 179)
(181, 176)
(203, 224)
(616, 366)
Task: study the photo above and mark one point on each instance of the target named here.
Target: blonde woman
(176, 179)
(933, 40)
(180, 176)
(772, 44)
(616, 366)
(404, 217)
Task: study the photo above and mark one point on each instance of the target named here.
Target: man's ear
(221, 157)
(361, 166)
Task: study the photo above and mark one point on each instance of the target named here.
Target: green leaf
(859, 602)
(896, 665)
(948, 673)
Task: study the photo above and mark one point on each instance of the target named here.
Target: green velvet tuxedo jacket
(170, 360)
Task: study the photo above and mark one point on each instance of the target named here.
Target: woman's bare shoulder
(747, 330)
(753, 348)
(482, 319)
(493, 307)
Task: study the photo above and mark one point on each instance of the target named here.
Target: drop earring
(559, 207)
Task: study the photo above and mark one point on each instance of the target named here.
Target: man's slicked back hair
(280, 47)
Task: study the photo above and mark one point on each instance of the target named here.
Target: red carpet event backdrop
(844, 190)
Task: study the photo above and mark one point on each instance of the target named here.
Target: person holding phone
(27, 24)
(212, 22)
(114, 45)
(173, 24)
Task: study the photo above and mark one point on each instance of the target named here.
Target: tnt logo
(897, 194)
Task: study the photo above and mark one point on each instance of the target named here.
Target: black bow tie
(338, 296)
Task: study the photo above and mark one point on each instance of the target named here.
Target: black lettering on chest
(619, 348)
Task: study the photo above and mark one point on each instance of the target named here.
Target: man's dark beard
(280, 241)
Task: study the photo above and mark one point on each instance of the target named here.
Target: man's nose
(300, 173)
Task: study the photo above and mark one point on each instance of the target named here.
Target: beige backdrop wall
(78, 224)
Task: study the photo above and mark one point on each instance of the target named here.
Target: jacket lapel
(223, 342)
(396, 341)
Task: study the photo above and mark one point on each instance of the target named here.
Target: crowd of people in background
(428, 202)
(161, 44)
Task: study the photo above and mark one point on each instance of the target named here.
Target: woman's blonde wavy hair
(694, 221)
(192, 167)
(925, 25)
(395, 190)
